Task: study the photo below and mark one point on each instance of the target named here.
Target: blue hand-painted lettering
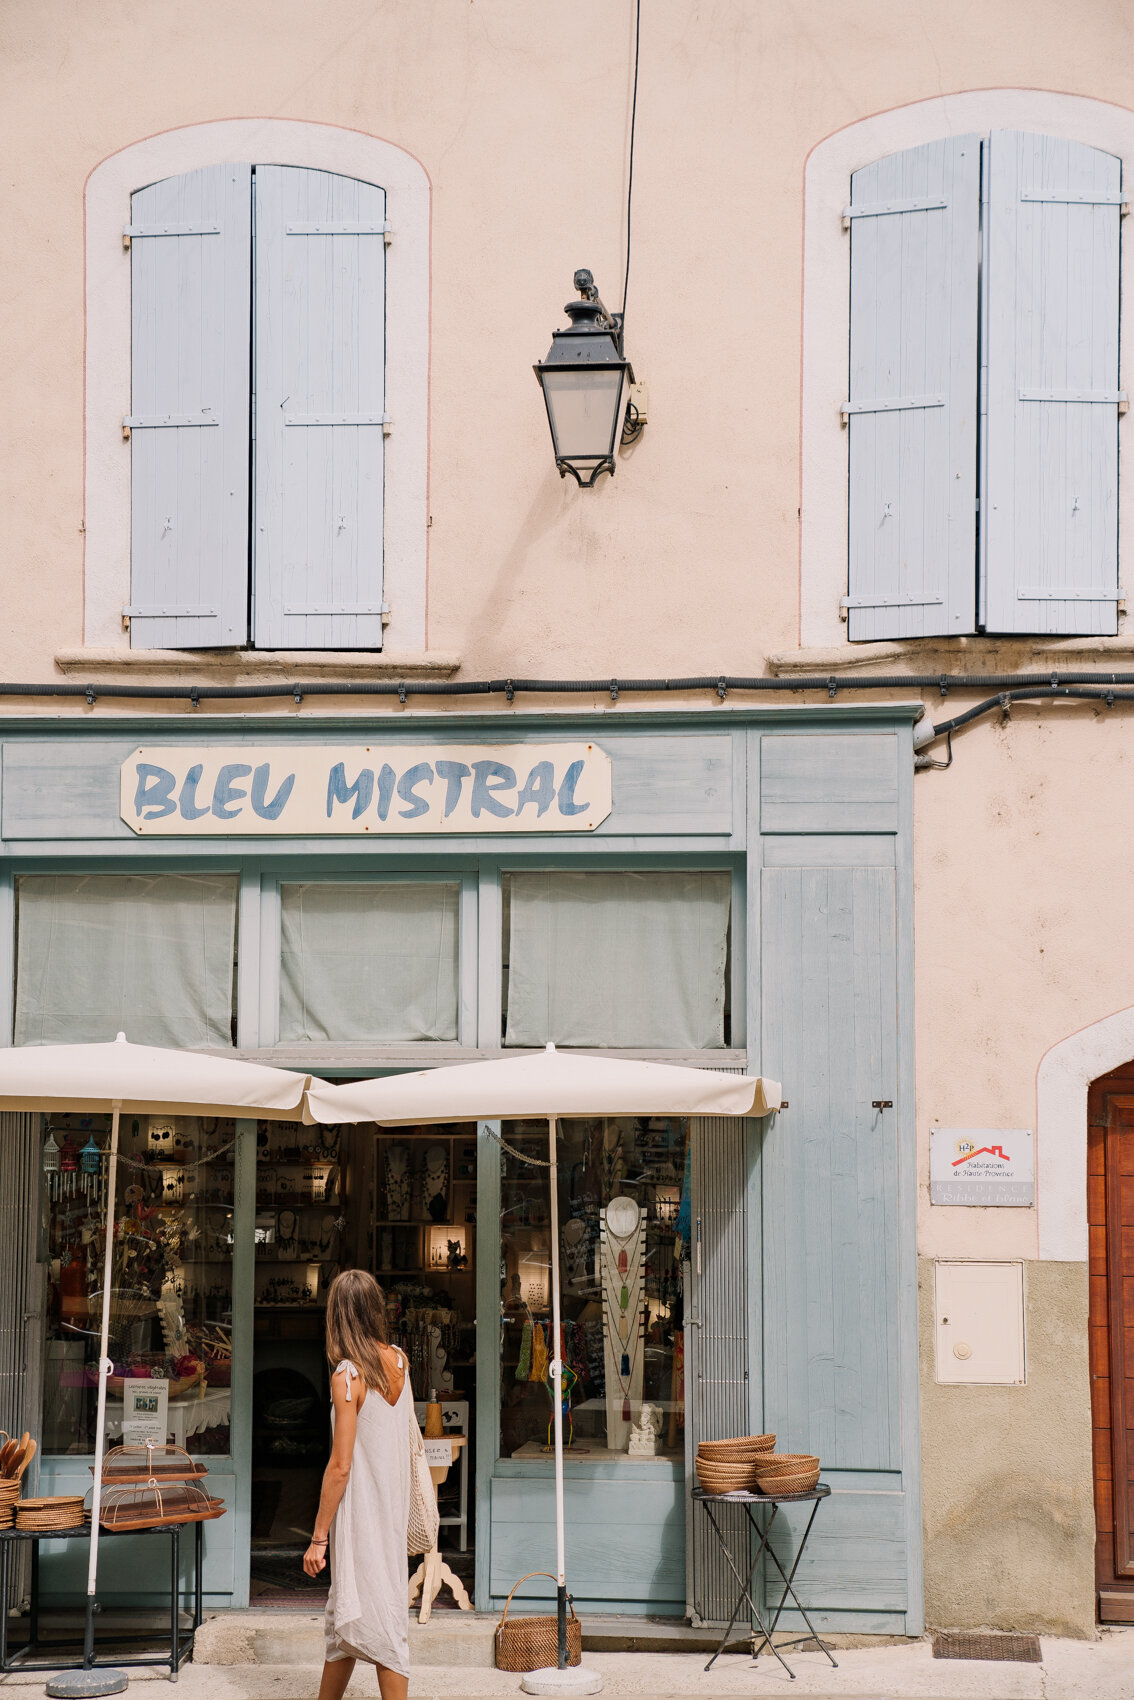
(386, 780)
(421, 773)
(338, 791)
(225, 792)
(154, 793)
(483, 800)
(188, 798)
(539, 788)
(453, 773)
(567, 803)
(274, 809)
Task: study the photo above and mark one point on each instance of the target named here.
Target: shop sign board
(982, 1166)
(313, 790)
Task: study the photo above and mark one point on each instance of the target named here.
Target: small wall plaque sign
(982, 1166)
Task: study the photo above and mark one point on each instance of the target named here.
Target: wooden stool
(432, 1574)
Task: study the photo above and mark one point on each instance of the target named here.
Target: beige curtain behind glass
(368, 962)
(626, 960)
(148, 955)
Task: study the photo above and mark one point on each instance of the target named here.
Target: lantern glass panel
(584, 406)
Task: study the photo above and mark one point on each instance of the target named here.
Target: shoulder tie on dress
(351, 1375)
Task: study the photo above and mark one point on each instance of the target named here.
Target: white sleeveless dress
(368, 1604)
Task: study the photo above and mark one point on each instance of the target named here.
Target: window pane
(368, 962)
(148, 955)
(171, 1287)
(623, 1204)
(618, 959)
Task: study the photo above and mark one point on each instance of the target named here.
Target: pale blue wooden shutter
(1049, 532)
(831, 1169)
(190, 282)
(319, 410)
(912, 406)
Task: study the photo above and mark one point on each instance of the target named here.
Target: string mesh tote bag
(424, 1517)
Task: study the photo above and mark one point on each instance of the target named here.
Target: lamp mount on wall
(584, 379)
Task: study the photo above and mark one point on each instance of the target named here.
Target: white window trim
(268, 141)
(824, 468)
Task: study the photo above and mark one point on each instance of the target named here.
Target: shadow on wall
(1008, 1499)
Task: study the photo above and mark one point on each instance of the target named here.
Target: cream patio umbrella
(110, 1078)
(547, 1084)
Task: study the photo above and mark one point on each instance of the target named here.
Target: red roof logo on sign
(983, 1151)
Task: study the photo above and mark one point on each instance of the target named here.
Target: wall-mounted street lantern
(584, 379)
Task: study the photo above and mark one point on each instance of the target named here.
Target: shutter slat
(190, 328)
(1049, 527)
(320, 410)
(913, 392)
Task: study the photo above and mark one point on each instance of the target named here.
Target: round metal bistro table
(761, 1526)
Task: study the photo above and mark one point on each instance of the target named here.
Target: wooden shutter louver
(1049, 530)
(319, 410)
(190, 276)
(912, 408)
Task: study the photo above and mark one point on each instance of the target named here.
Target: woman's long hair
(356, 1326)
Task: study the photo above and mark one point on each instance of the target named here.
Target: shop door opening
(401, 1203)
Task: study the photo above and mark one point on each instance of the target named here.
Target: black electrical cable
(630, 168)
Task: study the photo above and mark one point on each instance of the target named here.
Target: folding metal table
(763, 1545)
(180, 1639)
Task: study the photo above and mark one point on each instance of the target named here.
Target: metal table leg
(745, 1586)
(5, 1551)
(174, 1600)
(33, 1602)
(788, 1580)
(198, 1557)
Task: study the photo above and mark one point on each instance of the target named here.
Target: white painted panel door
(1049, 555)
(319, 364)
(912, 409)
(190, 281)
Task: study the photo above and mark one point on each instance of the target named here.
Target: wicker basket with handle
(532, 1643)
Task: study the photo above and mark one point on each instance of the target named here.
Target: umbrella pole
(556, 1371)
(103, 1373)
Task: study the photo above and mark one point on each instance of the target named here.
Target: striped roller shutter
(190, 279)
(319, 410)
(1050, 520)
(912, 407)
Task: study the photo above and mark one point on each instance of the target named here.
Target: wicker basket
(725, 1478)
(801, 1483)
(532, 1643)
(63, 1511)
(744, 1447)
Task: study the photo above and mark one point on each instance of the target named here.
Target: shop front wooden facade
(800, 1280)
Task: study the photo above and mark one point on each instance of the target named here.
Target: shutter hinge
(891, 404)
(883, 209)
(891, 602)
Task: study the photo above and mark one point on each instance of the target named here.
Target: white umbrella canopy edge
(115, 1077)
(543, 1083)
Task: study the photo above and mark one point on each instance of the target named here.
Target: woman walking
(364, 1506)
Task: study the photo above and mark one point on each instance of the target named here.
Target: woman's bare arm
(337, 1473)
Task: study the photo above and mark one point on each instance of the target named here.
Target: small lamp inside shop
(584, 379)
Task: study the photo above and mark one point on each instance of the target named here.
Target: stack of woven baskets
(729, 1466)
(9, 1495)
(62, 1511)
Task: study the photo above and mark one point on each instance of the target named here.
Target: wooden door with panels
(1110, 1216)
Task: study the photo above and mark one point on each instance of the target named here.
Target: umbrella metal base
(86, 1684)
(576, 1679)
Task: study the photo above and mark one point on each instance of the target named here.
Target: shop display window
(148, 955)
(171, 1283)
(368, 962)
(623, 1233)
(620, 959)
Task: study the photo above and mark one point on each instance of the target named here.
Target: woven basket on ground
(532, 1643)
(745, 1446)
